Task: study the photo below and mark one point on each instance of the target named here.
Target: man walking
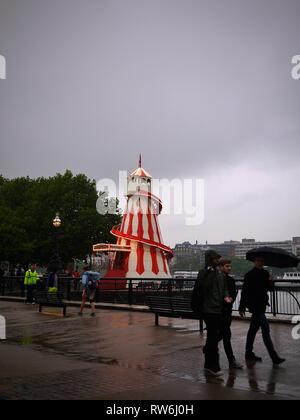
(227, 314)
(90, 281)
(208, 299)
(30, 282)
(255, 297)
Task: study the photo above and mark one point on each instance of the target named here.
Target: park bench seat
(172, 307)
(53, 300)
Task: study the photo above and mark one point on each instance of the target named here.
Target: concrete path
(122, 355)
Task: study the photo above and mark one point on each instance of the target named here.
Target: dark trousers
(31, 294)
(226, 335)
(259, 320)
(214, 327)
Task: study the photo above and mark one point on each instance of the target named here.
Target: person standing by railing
(31, 281)
(255, 297)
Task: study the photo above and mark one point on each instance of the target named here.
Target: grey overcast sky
(202, 88)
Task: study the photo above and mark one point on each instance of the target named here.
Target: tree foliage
(27, 208)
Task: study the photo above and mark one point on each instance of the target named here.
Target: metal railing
(284, 299)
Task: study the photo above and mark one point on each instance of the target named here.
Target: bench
(53, 300)
(173, 307)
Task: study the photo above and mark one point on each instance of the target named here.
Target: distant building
(248, 244)
(296, 246)
(233, 248)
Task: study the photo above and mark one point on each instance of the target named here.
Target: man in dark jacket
(209, 295)
(255, 297)
(227, 314)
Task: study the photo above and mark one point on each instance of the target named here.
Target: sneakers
(81, 314)
(235, 365)
(214, 372)
(278, 361)
(253, 358)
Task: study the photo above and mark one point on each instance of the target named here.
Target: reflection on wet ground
(129, 346)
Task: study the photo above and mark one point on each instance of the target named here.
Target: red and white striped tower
(140, 252)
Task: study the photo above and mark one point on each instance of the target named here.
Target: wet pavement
(122, 355)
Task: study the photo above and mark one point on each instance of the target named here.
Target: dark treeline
(28, 206)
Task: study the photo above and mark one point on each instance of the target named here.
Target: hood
(210, 256)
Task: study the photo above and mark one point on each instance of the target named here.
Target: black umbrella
(274, 257)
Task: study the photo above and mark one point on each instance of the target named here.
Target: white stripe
(160, 264)
(132, 261)
(146, 227)
(147, 261)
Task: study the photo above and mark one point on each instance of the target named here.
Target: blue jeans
(259, 320)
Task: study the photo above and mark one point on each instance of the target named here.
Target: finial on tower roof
(140, 161)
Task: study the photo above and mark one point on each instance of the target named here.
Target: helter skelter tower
(139, 252)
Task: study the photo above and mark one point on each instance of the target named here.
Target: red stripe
(129, 232)
(157, 229)
(155, 268)
(119, 234)
(126, 263)
(140, 268)
(164, 261)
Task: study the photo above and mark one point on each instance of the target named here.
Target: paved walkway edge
(132, 308)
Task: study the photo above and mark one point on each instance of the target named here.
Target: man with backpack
(90, 282)
(209, 295)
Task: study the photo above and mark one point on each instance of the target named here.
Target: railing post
(201, 326)
(170, 287)
(3, 285)
(68, 289)
(130, 293)
(274, 301)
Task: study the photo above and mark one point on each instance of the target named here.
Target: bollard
(2, 328)
(130, 293)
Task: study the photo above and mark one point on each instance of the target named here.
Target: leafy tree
(27, 208)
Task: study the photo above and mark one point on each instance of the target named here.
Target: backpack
(197, 302)
(92, 282)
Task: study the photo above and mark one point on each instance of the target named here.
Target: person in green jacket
(209, 295)
(30, 282)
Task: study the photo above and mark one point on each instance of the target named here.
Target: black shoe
(235, 365)
(278, 361)
(216, 373)
(93, 315)
(253, 358)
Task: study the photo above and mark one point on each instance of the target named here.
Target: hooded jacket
(31, 278)
(210, 288)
